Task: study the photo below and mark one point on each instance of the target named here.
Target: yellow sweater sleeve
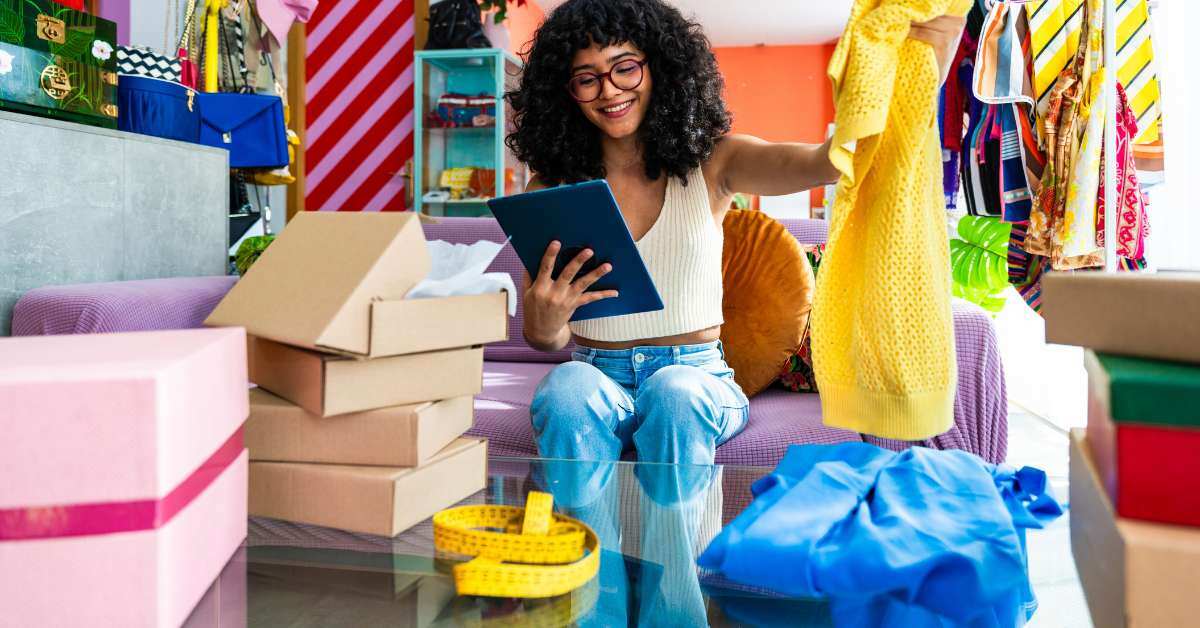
(883, 339)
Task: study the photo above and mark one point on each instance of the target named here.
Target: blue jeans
(671, 404)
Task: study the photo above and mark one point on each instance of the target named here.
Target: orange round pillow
(768, 295)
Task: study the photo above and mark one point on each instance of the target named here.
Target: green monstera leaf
(979, 261)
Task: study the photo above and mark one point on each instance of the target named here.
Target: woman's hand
(549, 303)
(943, 34)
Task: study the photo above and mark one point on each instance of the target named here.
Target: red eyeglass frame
(608, 75)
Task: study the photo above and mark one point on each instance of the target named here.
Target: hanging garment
(883, 345)
(1016, 197)
(1133, 226)
(1001, 74)
(1064, 125)
(1136, 71)
(915, 538)
(1074, 243)
(1055, 27)
(953, 103)
(1025, 269)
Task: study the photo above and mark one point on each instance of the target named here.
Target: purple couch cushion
(175, 303)
(777, 418)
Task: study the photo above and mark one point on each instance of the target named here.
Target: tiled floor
(1036, 442)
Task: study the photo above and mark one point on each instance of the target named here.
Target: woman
(629, 91)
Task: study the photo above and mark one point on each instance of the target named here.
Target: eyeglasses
(588, 86)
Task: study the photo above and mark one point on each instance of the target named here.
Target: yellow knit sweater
(883, 337)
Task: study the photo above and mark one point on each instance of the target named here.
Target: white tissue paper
(458, 270)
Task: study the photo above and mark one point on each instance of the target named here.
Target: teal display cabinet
(461, 119)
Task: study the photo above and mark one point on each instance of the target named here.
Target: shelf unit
(471, 72)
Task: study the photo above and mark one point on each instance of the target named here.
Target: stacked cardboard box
(122, 475)
(1135, 473)
(363, 395)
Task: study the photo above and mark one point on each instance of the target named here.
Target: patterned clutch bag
(146, 62)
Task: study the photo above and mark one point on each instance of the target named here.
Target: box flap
(314, 285)
(1147, 391)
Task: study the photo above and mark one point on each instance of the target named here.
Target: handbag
(157, 107)
(249, 126)
(456, 24)
(134, 61)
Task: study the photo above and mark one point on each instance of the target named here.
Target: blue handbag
(250, 126)
(157, 107)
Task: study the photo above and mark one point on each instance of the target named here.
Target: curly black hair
(686, 114)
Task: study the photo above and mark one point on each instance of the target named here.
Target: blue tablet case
(580, 215)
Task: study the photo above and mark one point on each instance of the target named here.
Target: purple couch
(778, 418)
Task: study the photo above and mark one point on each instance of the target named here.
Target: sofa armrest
(981, 402)
(807, 230)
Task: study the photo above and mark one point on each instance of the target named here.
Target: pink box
(115, 417)
(224, 604)
(144, 578)
(122, 474)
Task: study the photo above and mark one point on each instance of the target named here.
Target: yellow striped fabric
(1135, 63)
(1054, 27)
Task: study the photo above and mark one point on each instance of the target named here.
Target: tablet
(580, 216)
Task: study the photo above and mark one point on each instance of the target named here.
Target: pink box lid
(115, 417)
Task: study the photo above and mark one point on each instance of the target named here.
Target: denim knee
(677, 393)
(563, 394)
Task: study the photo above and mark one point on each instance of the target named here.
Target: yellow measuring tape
(519, 552)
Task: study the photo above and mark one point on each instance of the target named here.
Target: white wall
(1175, 204)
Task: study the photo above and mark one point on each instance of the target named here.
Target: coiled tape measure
(539, 554)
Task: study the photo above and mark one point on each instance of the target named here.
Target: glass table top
(653, 520)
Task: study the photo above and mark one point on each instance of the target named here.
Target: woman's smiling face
(616, 112)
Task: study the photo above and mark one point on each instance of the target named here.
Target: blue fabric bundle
(915, 538)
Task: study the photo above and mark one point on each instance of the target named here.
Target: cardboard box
(373, 500)
(336, 281)
(328, 385)
(1137, 314)
(399, 436)
(1144, 432)
(1135, 574)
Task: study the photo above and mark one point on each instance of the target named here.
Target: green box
(58, 62)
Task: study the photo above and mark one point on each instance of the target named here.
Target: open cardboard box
(335, 282)
(1147, 315)
(1135, 574)
(373, 500)
(328, 385)
(397, 436)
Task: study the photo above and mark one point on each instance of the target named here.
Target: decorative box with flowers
(57, 62)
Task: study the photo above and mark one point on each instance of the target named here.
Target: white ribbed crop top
(682, 251)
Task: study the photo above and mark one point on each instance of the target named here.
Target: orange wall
(522, 23)
(778, 93)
